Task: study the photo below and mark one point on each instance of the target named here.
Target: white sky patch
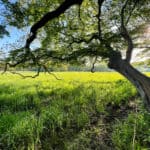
(136, 55)
(35, 44)
(17, 38)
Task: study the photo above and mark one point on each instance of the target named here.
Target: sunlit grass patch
(46, 112)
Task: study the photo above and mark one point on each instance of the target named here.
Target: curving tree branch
(124, 32)
(100, 2)
(50, 16)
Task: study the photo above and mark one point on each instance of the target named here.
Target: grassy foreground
(81, 111)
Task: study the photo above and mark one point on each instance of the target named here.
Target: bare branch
(125, 34)
(50, 16)
(93, 64)
(37, 74)
(82, 40)
(131, 11)
(100, 2)
(24, 76)
(5, 68)
(46, 70)
(7, 64)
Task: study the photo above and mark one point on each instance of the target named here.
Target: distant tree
(73, 30)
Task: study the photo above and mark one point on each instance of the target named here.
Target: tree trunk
(139, 80)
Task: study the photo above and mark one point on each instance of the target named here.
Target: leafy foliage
(87, 30)
(3, 31)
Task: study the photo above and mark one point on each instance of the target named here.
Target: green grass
(46, 113)
(123, 132)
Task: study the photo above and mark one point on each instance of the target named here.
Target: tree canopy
(71, 30)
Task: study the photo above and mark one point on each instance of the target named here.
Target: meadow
(77, 111)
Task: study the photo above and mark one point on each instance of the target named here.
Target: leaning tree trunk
(139, 80)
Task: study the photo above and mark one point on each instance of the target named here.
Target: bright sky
(17, 39)
(15, 36)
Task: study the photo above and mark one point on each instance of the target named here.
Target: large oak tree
(72, 30)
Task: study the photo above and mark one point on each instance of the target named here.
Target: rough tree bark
(139, 80)
(123, 66)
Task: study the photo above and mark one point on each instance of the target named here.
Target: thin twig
(93, 65)
(24, 76)
(133, 8)
(134, 130)
(46, 70)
